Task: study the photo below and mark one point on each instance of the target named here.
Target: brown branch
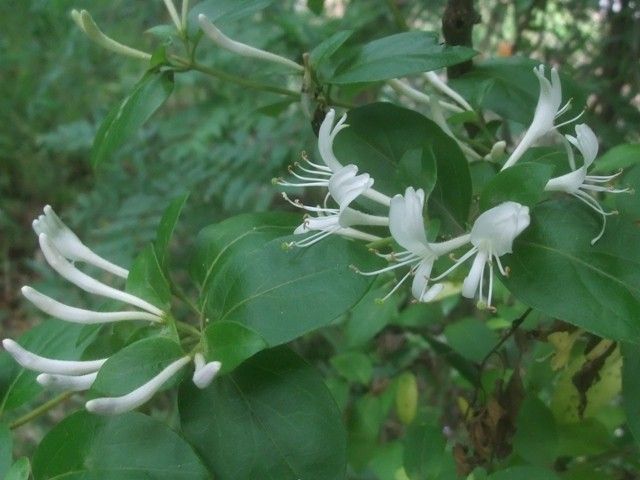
(457, 26)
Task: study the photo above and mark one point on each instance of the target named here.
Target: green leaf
(6, 449)
(135, 365)
(399, 55)
(273, 417)
(536, 438)
(167, 226)
(523, 183)
(328, 47)
(524, 473)
(52, 339)
(147, 279)
(282, 293)
(327, 56)
(620, 156)
(555, 270)
(353, 366)
(219, 241)
(631, 387)
(424, 453)
(589, 437)
(127, 117)
(20, 470)
(471, 338)
(223, 11)
(129, 446)
(401, 148)
(231, 344)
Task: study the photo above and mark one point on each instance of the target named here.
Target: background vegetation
(223, 144)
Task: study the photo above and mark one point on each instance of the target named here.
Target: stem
(36, 412)
(514, 326)
(185, 327)
(214, 72)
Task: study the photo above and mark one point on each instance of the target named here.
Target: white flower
(80, 315)
(344, 186)
(243, 49)
(90, 28)
(68, 243)
(74, 383)
(578, 183)
(32, 361)
(547, 110)
(492, 236)
(204, 372)
(63, 267)
(406, 224)
(135, 398)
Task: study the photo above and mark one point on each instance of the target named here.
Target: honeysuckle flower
(243, 49)
(83, 19)
(68, 243)
(577, 183)
(204, 372)
(406, 224)
(345, 185)
(492, 236)
(32, 361)
(441, 85)
(173, 13)
(80, 315)
(68, 271)
(420, 97)
(74, 383)
(137, 397)
(547, 110)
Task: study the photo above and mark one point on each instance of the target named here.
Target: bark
(457, 26)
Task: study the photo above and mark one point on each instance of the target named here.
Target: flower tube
(243, 49)
(74, 383)
(31, 361)
(68, 243)
(69, 272)
(204, 373)
(80, 315)
(137, 397)
(90, 28)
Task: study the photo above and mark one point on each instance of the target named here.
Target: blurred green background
(219, 141)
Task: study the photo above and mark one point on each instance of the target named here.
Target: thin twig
(36, 412)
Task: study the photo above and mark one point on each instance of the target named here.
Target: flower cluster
(492, 234)
(61, 249)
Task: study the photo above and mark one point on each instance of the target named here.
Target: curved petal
(407, 224)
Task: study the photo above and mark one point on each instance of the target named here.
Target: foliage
(318, 370)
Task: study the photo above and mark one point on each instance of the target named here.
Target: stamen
(455, 265)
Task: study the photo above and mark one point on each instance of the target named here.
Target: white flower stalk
(204, 372)
(492, 236)
(438, 117)
(139, 396)
(417, 96)
(406, 224)
(345, 185)
(77, 383)
(80, 315)
(68, 243)
(441, 85)
(243, 49)
(547, 110)
(61, 265)
(173, 13)
(185, 13)
(32, 361)
(88, 26)
(578, 184)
